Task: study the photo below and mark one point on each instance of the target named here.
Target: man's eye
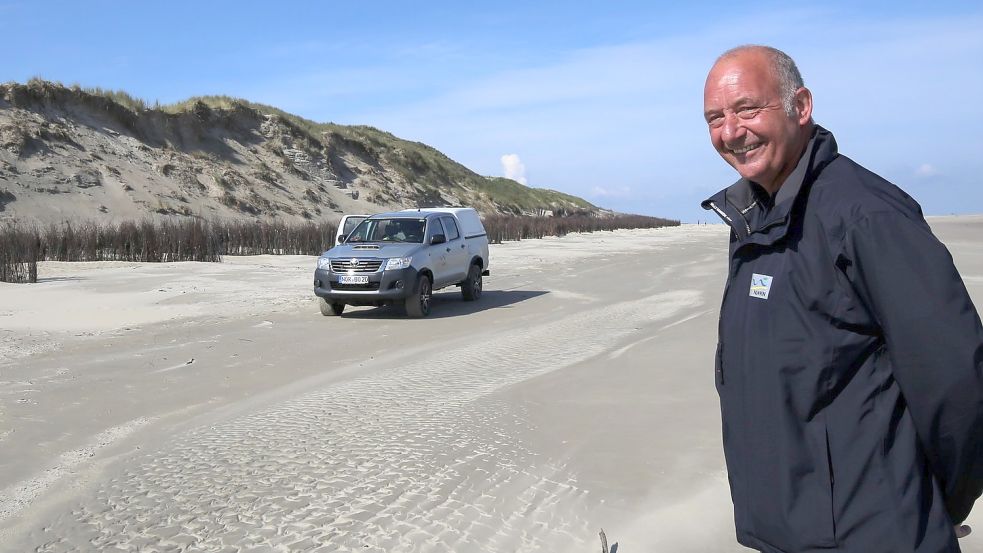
(748, 113)
(715, 120)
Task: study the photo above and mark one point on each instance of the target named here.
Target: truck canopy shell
(470, 222)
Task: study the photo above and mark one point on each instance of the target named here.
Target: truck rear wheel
(418, 304)
(471, 287)
(331, 309)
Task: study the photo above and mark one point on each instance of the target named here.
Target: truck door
(457, 251)
(438, 254)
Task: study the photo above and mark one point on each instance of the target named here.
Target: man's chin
(745, 170)
(753, 176)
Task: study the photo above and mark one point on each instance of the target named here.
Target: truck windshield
(389, 230)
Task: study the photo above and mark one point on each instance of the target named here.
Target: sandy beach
(210, 407)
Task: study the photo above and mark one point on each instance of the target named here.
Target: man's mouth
(746, 149)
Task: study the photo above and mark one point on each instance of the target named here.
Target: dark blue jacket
(849, 367)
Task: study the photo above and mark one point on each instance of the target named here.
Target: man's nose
(732, 129)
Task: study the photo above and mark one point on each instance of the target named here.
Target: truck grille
(356, 287)
(364, 265)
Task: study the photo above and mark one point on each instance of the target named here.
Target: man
(395, 231)
(850, 356)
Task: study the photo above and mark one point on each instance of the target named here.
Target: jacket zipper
(747, 225)
(720, 361)
(731, 273)
(727, 218)
(730, 278)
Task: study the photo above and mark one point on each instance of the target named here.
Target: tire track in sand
(412, 458)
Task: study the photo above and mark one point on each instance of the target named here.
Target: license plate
(353, 279)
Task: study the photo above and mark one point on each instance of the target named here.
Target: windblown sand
(210, 407)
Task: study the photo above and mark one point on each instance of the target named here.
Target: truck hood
(373, 249)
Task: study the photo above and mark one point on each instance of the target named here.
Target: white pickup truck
(401, 258)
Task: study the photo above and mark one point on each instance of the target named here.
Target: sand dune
(209, 407)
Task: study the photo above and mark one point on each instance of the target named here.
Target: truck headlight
(324, 263)
(398, 263)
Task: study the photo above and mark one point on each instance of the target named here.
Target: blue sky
(601, 100)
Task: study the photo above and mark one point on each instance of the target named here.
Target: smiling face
(748, 124)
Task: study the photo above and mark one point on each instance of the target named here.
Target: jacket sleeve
(934, 340)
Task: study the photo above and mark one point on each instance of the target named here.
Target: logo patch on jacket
(760, 286)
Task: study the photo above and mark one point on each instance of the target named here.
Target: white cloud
(513, 168)
(616, 192)
(926, 170)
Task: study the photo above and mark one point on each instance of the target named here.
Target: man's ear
(803, 106)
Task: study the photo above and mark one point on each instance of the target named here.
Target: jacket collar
(733, 203)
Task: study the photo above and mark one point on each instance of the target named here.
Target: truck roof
(402, 214)
(454, 210)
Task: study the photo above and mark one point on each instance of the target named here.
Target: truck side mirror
(341, 239)
(438, 239)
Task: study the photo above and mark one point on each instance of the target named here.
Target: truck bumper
(383, 287)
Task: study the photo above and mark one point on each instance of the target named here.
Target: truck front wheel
(331, 309)
(418, 304)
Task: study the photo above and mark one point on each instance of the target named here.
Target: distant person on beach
(850, 357)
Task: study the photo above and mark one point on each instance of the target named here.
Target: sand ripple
(420, 457)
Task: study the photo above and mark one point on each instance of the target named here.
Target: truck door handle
(462, 246)
(448, 249)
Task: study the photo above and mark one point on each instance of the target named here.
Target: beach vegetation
(506, 228)
(195, 239)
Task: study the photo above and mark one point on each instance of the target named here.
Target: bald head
(781, 66)
(759, 114)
